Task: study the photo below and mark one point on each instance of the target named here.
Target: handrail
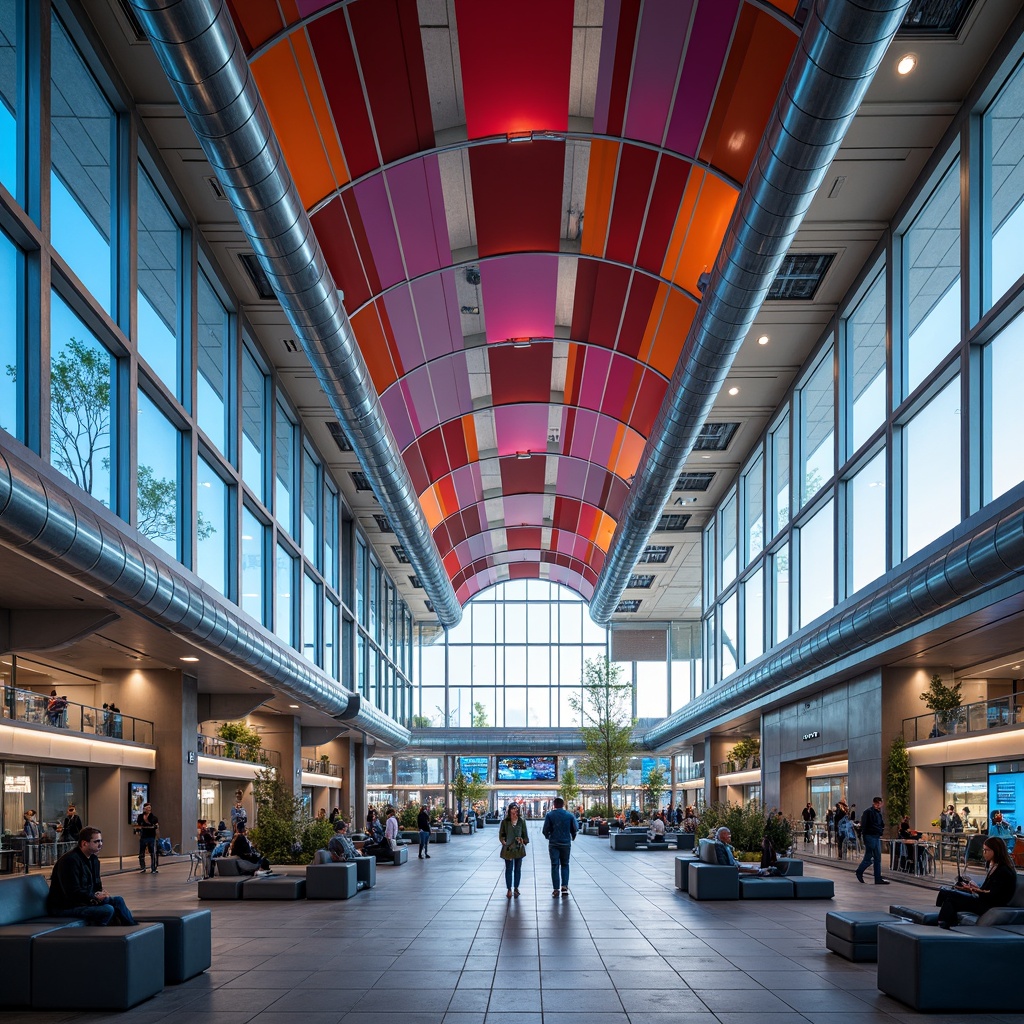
(319, 767)
(36, 709)
(214, 746)
(689, 774)
(976, 717)
(729, 767)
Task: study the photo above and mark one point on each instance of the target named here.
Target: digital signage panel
(526, 769)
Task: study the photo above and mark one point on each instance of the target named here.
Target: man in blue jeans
(872, 825)
(560, 831)
(75, 887)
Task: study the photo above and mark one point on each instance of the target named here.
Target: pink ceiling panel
(397, 413)
(451, 400)
(571, 477)
(379, 225)
(415, 189)
(421, 399)
(604, 440)
(521, 428)
(582, 436)
(525, 509)
(468, 487)
(402, 317)
(702, 64)
(659, 47)
(437, 309)
(595, 377)
(519, 295)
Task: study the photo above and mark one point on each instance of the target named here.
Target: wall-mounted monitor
(469, 765)
(526, 769)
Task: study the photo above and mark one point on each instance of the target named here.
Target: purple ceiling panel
(421, 400)
(582, 437)
(521, 428)
(393, 402)
(437, 310)
(609, 37)
(594, 490)
(307, 7)
(658, 50)
(595, 377)
(468, 487)
(519, 295)
(523, 509)
(446, 391)
(572, 477)
(379, 225)
(416, 197)
(604, 439)
(702, 63)
(402, 317)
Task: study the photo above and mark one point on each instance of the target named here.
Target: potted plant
(945, 702)
(325, 764)
(741, 754)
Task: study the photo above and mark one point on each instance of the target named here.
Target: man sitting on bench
(656, 830)
(726, 855)
(75, 887)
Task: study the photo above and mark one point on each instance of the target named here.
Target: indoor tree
(569, 788)
(654, 786)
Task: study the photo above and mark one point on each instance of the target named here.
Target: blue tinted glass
(9, 95)
(157, 263)
(10, 346)
(213, 356)
(158, 493)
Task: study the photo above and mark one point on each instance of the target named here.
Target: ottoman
(854, 934)
(916, 915)
(274, 887)
(331, 881)
(807, 888)
(713, 882)
(366, 871)
(221, 888)
(685, 840)
(97, 968)
(187, 942)
(790, 866)
(766, 889)
(682, 874)
(16, 958)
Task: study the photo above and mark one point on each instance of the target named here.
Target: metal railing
(320, 767)
(728, 767)
(40, 709)
(214, 746)
(971, 718)
(691, 772)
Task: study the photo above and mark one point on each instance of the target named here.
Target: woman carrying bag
(514, 840)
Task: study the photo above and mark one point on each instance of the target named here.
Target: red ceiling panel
(625, 40)
(520, 374)
(523, 476)
(524, 571)
(332, 229)
(665, 200)
(632, 187)
(583, 299)
(643, 290)
(516, 60)
(523, 538)
(609, 298)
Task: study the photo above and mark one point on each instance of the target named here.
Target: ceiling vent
(133, 23)
(415, 581)
(694, 481)
(334, 427)
(430, 607)
(715, 437)
(655, 554)
(257, 276)
(399, 552)
(628, 606)
(800, 276)
(359, 479)
(935, 18)
(382, 524)
(640, 582)
(672, 521)
(218, 192)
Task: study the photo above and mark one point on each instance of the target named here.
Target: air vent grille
(655, 554)
(933, 18)
(382, 524)
(415, 581)
(257, 276)
(715, 437)
(339, 435)
(672, 521)
(799, 276)
(628, 606)
(399, 552)
(694, 481)
(430, 607)
(640, 582)
(359, 479)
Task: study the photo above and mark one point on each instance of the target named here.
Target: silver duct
(199, 50)
(489, 740)
(840, 48)
(990, 555)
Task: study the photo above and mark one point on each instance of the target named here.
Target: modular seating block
(916, 915)
(400, 856)
(276, 887)
(806, 888)
(97, 968)
(713, 882)
(331, 881)
(790, 866)
(853, 934)
(16, 957)
(766, 889)
(683, 873)
(366, 871)
(916, 964)
(187, 942)
(685, 840)
(221, 888)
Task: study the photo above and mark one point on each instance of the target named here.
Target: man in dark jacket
(75, 887)
(423, 824)
(147, 825)
(872, 825)
(560, 831)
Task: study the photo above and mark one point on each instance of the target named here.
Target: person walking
(423, 824)
(75, 887)
(872, 825)
(514, 839)
(147, 825)
(560, 831)
(71, 826)
(239, 815)
(808, 814)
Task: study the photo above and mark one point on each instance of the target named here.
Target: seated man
(656, 831)
(75, 887)
(726, 855)
(250, 860)
(340, 847)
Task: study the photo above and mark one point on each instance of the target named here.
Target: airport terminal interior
(375, 372)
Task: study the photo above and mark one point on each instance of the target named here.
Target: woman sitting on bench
(996, 890)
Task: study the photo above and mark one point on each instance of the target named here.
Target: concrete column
(283, 734)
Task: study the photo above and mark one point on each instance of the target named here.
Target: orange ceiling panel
(704, 215)
(375, 348)
(604, 159)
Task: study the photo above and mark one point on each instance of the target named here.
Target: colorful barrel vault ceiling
(518, 199)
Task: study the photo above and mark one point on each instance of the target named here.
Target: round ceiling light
(734, 391)
(906, 64)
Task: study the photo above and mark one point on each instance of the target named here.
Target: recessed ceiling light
(188, 659)
(734, 391)
(1016, 666)
(293, 705)
(705, 456)
(906, 64)
(763, 340)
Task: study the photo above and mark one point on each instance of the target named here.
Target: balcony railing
(36, 708)
(728, 767)
(319, 767)
(214, 746)
(691, 772)
(971, 718)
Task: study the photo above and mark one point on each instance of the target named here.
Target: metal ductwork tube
(491, 740)
(840, 48)
(991, 555)
(42, 520)
(371, 720)
(202, 56)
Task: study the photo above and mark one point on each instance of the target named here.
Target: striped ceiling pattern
(517, 200)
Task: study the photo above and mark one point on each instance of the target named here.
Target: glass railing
(321, 767)
(728, 767)
(214, 746)
(39, 709)
(971, 718)
(691, 772)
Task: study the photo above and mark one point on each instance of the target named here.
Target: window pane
(82, 133)
(254, 424)
(310, 501)
(159, 244)
(1004, 418)
(816, 565)
(753, 519)
(212, 527)
(780, 484)
(931, 439)
(816, 421)
(284, 450)
(310, 614)
(9, 95)
(538, 622)
(730, 657)
(1004, 136)
(866, 532)
(865, 353)
(11, 347)
(82, 403)
(331, 612)
(158, 491)
(284, 615)
(753, 616)
(933, 280)
(253, 540)
(780, 597)
(213, 365)
(728, 542)
(331, 537)
(651, 689)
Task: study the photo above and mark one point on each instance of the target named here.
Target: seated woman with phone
(996, 890)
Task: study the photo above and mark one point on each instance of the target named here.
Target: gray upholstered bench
(765, 888)
(331, 881)
(398, 857)
(713, 881)
(221, 888)
(366, 872)
(685, 840)
(97, 968)
(853, 934)
(683, 873)
(274, 887)
(806, 888)
(187, 942)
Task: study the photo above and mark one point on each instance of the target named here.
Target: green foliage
(897, 780)
(655, 786)
(460, 787)
(315, 836)
(279, 825)
(479, 717)
(600, 811)
(605, 710)
(407, 815)
(421, 721)
(944, 700)
(247, 739)
(570, 788)
(476, 789)
(748, 825)
(749, 746)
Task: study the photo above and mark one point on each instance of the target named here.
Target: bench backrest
(707, 853)
(22, 897)
(1018, 896)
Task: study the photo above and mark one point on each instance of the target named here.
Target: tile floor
(436, 942)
